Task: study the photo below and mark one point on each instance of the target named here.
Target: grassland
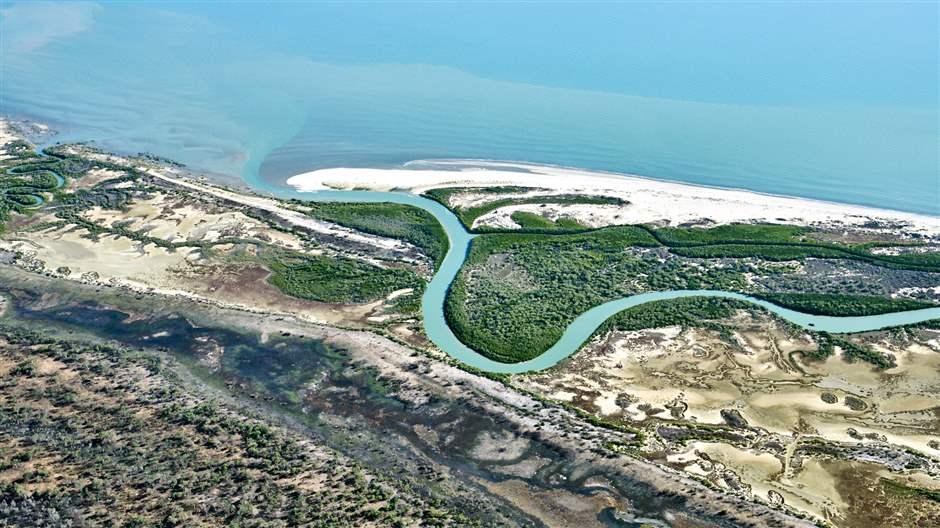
(404, 222)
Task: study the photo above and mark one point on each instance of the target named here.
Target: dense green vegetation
(765, 241)
(534, 222)
(730, 234)
(774, 252)
(337, 279)
(518, 292)
(843, 305)
(780, 242)
(26, 177)
(468, 215)
(529, 221)
(524, 287)
(851, 351)
(686, 311)
(771, 242)
(404, 222)
(611, 240)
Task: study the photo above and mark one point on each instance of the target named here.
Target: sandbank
(651, 201)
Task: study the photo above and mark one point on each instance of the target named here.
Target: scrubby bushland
(469, 214)
(518, 292)
(337, 279)
(102, 436)
(843, 305)
(404, 222)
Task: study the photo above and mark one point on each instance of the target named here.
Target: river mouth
(584, 326)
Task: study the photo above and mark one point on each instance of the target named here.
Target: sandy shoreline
(651, 200)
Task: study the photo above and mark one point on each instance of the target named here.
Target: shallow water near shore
(184, 82)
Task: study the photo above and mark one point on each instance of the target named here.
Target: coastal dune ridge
(651, 200)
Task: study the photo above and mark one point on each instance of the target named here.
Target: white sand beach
(651, 201)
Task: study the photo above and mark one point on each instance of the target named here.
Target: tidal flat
(467, 443)
(312, 318)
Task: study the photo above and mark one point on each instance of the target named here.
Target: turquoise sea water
(835, 101)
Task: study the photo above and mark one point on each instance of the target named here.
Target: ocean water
(836, 101)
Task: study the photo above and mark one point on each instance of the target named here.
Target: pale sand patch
(398, 293)
(651, 200)
(469, 198)
(289, 215)
(526, 468)
(755, 469)
(814, 489)
(7, 136)
(905, 402)
(624, 371)
(504, 447)
(112, 257)
(94, 177)
(558, 507)
(839, 432)
(163, 217)
(591, 215)
(607, 404)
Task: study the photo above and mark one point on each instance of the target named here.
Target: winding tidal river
(435, 325)
(432, 304)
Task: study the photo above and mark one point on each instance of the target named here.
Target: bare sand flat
(650, 200)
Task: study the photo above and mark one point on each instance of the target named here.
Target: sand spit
(651, 201)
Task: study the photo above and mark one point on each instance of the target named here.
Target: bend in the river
(432, 304)
(437, 329)
(32, 192)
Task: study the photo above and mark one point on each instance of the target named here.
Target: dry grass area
(701, 377)
(148, 226)
(176, 218)
(177, 242)
(93, 435)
